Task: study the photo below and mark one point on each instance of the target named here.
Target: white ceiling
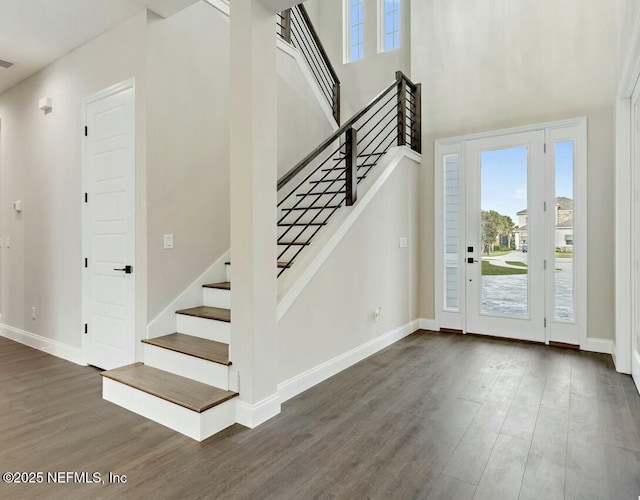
(34, 33)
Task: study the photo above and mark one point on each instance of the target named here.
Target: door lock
(125, 269)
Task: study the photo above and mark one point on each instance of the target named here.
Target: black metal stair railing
(327, 179)
(295, 27)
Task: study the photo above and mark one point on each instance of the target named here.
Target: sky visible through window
(391, 31)
(504, 178)
(356, 30)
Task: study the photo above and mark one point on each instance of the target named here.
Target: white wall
(188, 147)
(41, 165)
(361, 80)
(334, 313)
(188, 127)
(490, 65)
(182, 100)
(628, 12)
(302, 126)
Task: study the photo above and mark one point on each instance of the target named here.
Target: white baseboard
(165, 322)
(635, 369)
(427, 324)
(253, 415)
(64, 351)
(604, 346)
(306, 380)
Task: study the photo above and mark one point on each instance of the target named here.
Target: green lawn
(568, 255)
(498, 254)
(516, 263)
(488, 269)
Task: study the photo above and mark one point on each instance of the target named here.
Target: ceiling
(34, 33)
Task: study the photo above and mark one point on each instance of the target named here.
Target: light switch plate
(168, 241)
(403, 242)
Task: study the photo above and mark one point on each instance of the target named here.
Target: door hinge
(545, 322)
(86, 262)
(86, 131)
(545, 263)
(86, 328)
(545, 147)
(86, 197)
(545, 206)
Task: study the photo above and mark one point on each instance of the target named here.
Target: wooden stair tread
(294, 243)
(224, 285)
(287, 224)
(207, 312)
(281, 265)
(209, 350)
(181, 391)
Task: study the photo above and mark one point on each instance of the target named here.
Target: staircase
(184, 382)
(328, 178)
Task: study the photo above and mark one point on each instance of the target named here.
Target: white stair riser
(215, 297)
(228, 266)
(219, 331)
(204, 371)
(198, 426)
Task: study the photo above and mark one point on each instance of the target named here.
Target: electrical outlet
(33, 313)
(377, 313)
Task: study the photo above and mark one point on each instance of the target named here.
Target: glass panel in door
(563, 232)
(505, 242)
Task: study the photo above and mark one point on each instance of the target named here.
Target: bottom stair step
(194, 396)
(186, 406)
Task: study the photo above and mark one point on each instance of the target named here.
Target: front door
(109, 229)
(504, 251)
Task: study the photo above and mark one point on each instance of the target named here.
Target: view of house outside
(504, 233)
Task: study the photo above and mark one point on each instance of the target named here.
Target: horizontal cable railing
(295, 27)
(328, 178)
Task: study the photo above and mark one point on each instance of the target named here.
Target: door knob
(125, 269)
(471, 260)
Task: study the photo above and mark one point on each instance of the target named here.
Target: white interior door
(109, 229)
(505, 289)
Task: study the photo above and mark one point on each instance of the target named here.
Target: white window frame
(381, 26)
(346, 6)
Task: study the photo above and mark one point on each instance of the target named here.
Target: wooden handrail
(400, 77)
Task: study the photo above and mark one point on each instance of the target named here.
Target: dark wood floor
(433, 416)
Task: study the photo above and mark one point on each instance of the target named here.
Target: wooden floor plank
(384, 428)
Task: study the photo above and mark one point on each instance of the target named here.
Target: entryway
(109, 227)
(510, 211)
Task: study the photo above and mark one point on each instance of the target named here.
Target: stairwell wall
(363, 79)
(334, 314)
(188, 147)
(188, 128)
